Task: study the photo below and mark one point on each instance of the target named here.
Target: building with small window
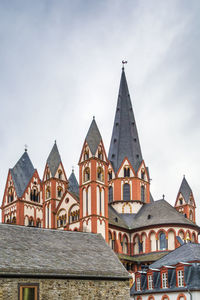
(58, 267)
(176, 276)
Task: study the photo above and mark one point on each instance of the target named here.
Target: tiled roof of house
(45, 252)
(22, 173)
(54, 160)
(185, 253)
(125, 140)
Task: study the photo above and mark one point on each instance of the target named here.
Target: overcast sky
(60, 64)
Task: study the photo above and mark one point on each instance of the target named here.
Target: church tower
(54, 186)
(93, 168)
(185, 203)
(128, 176)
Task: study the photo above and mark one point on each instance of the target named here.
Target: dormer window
(59, 174)
(164, 280)
(138, 284)
(59, 192)
(87, 174)
(126, 172)
(181, 201)
(150, 282)
(34, 194)
(180, 278)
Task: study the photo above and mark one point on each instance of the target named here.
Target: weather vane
(124, 62)
(26, 147)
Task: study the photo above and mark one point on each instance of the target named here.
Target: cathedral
(112, 197)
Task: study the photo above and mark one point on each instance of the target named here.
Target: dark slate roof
(144, 257)
(185, 253)
(155, 213)
(22, 173)
(125, 140)
(115, 218)
(93, 137)
(54, 160)
(73, 184)
(185, 190)
(45, 252)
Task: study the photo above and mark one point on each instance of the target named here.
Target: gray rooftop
(185, 190)
(125, 140)
(93, 137)
(151, 214)
(45, 252)
(54, 160)
(73, 184)
(186, 253)
(22, 173)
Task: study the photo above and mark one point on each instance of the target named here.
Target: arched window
(100, 174)
(13, 221)
(110, 194)
(47, 175)
(100, 204)
(48, 193)
(30, 222)
(34, 194)
(162, 241)
(126, 192)
(87, 174)
(109, 175)
(73, 216)
(125, 245)
(142, 175)
(126, 172)
(191, 215)
(86, 155)
(100, 154)
(10, 194)
(59, 174)
(110, 239)
(38, 223)
(59, 191)
(142, 193)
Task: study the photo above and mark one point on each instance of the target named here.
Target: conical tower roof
(73, 184)
(54, 160)
(93, 137)
(22, 173)
(125, 140)
(185, 190)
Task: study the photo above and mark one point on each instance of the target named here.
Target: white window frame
(164, 280)
(138, 283)
(180, 277)
(150, 282)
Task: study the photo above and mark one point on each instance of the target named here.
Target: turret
(93, 169)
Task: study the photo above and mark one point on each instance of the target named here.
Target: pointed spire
(54, 160)
(185, 190)
(125, 140)
(93, 137)
(73, 184)
(22, 173)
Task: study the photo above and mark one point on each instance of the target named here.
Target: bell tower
(93, 170)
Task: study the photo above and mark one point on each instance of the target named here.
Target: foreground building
(51, 264)
(112, 198)
(176, 276)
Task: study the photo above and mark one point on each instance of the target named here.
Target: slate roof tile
(54, 160)
(93, 137)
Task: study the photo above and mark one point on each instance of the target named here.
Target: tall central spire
(124, 141)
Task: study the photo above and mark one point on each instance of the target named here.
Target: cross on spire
(26, 147)
(123, 63)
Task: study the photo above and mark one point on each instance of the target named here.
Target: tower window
(142, 193)
(48, 193)
(110, 194)
(10, 195)
(59, 192)
(126, 192)
(100, 174)
(126, 172)
(86, 155)
(86, 174)
(142, 175)
(34, 195)
(59, 174)
(47, 175)
(162, 241)
(109, 175)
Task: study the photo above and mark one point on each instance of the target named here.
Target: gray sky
(60, 64)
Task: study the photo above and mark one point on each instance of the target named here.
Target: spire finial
(183, 175)
(72, 169)
(55, 141)
(93, 117)
(25, 147)
(163, 196)
(123, 63)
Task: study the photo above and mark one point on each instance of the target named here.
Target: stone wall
(67, 289)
